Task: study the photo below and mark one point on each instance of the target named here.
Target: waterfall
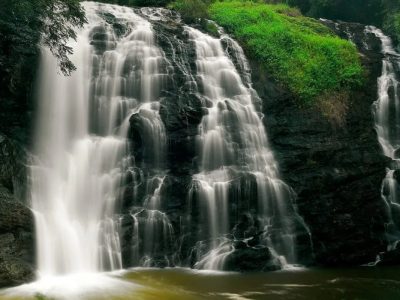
(232, 144)
(386, 111)
(82, 151)
(109, 189)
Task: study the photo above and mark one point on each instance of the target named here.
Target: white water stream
(387, 123)
(81, 148)
(232, 142)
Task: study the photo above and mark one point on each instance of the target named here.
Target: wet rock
(239, 245)
(181, 112)
(15, 272)
(146, 238)
(13, 171)
(336, 172)
(13, 214)
(119, 28)
(245, 228)
(16, 220)
(251, 259)
(16, 241)
(396, 175)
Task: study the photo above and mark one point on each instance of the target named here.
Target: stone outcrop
(16, 219)
(336, 170)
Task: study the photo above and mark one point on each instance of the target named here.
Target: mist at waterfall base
(184, 284)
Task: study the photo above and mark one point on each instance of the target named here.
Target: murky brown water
(180, 284)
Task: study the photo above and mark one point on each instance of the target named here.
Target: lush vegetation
(391, 20)
(300, 52)
(191, 10)
(382, 13)
(24, 23)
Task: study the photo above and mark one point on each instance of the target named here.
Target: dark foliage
(24, 24)
(381, 13)
(391, 21)
(362, 11)
(191, 10)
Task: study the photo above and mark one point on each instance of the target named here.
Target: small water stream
(387, 123)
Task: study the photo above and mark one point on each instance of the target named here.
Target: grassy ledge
(299, 52)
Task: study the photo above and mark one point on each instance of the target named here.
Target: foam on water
(75, 286)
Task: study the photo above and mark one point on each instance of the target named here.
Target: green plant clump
(191, 10)
(391, 21)
(392, 25)
(298, 51)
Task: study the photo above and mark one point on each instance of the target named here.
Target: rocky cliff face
(16, 219)
(336, 170)
(178, 232)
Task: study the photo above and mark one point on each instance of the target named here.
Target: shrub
(392, 26)
(190, 10)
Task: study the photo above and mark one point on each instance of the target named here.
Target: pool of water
(182, 284)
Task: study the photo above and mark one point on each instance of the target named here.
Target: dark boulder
(16, 219)
(16, 241)
(15, 272)
(251, 259)
(389, 258)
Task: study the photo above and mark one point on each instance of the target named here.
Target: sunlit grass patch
(298, 51)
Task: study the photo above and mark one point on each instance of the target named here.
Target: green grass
(299, 52)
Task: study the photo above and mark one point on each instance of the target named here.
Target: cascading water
(232, 144)
(147, 88)
(387, 123)
(82, 150)
(152, 153)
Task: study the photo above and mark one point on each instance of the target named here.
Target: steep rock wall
(335, 169)
(16, 219)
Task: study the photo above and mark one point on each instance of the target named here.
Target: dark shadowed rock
(251, 259)
(15, 272)
(389, 258)
(16, 241)
(16, 219)
(336, 171)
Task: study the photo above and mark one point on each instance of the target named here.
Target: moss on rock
(299, 52)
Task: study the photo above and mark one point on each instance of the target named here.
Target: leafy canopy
(25, 23)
